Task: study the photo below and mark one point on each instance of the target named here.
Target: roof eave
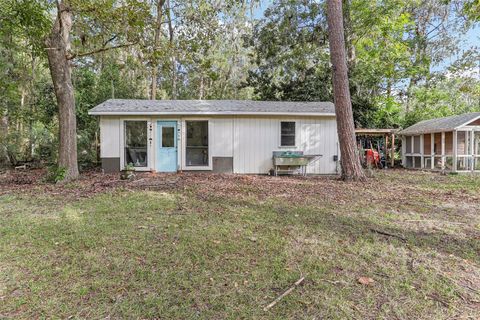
(471, 120)
(210, 113)
(401, 133)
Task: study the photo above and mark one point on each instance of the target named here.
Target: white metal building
(217, 135)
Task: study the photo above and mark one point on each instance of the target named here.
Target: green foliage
(211, 52)
(215, 50)
(391, 48)
(91, 89)
(55, 174)
(472, 9)
(388, 114)
(293, 62)
(290, 53)
(23, 25)
(444, 97)
(107, 23)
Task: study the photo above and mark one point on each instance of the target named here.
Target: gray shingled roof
(212, 107)
(440, 124)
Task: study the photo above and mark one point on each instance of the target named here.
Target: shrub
(55, 174)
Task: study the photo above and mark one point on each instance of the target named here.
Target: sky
(470, 39)
(473, 36)
(258, 13)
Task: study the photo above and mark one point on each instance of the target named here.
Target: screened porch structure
(446, 144)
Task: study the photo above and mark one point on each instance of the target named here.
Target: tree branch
(103, 49)
(109, 40)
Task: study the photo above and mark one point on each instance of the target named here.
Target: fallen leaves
(365, 281)
(295, 190)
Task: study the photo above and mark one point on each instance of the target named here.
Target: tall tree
(111, 21)
(58, 48)
(22, 23)
(173, 51)
(350, 161)
(157, 42)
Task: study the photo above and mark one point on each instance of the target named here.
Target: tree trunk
(201, 88)
(348, 33)
(158, 31)
(30, 151)
(389, 87)
(174, 53)
(420, 42)
(350, 161)
(58, 46)
(4, 158)
(411, 85)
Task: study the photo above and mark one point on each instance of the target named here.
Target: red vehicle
(375, 145)
(373, 159)
(372, 152)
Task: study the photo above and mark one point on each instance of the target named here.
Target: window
(287, 134)
(196, 154)
(168, 137)
(136, 143)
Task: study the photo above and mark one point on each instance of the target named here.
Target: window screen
(476, 146)
(287, 133)
(416, 144)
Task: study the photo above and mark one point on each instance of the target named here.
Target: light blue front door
(167, 146)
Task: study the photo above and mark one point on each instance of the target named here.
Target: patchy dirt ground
(395, 185)
(415, 235)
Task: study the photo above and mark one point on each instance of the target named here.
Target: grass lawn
(223, 247)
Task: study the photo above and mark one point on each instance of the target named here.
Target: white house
(218, 135)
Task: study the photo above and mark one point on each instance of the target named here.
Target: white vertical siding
(249, 140)
(256, 138)
(110, 137)
(319, 136)
(222, 137)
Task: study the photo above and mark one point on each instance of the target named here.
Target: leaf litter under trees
(320, 223)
